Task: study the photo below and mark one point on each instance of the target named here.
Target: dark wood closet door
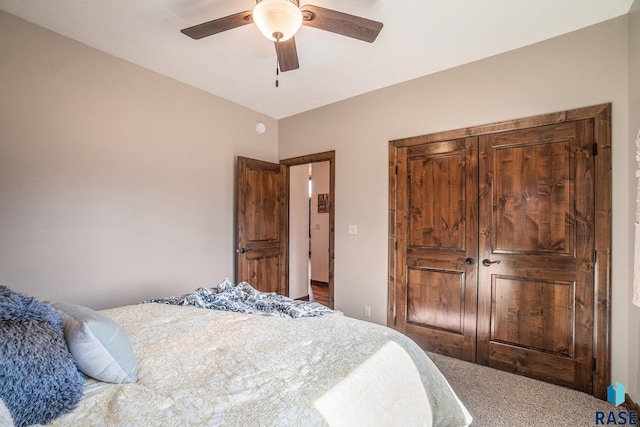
(262, 225)
(532, 196)
(536, 286)
(437, 246)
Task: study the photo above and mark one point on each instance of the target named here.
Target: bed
(203, 367)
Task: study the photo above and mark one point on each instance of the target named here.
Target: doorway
(310, 207)
(309, 232)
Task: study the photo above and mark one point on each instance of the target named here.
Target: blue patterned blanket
(243, 298)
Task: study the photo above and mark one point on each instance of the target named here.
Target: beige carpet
(501, 399)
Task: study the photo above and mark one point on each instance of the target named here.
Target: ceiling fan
(279, 20)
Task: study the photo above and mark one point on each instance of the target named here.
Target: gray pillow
(99, 345)
(6, 419)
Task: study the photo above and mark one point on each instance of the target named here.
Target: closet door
(437, 246)
(536, 241)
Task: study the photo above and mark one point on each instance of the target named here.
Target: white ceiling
(419, 37)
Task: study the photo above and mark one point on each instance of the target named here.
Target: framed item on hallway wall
(323, 202)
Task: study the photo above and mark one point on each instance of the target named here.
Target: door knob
(487, 262)
(468, 261)
(243, 250)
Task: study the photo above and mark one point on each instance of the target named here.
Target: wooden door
(437, 246)
(543, 224)
(536, 247)
(262, 231)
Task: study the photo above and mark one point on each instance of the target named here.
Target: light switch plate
(353, 229)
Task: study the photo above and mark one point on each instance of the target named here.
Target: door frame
(327, 156)
(601, 116)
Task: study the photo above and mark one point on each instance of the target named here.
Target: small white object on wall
(260, 128)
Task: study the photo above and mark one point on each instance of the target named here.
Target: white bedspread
(199, 367)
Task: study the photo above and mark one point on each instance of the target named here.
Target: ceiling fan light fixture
(278, 20)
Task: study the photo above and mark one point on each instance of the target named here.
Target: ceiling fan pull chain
(277, 36)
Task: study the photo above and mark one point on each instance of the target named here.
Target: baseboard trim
(304, 298)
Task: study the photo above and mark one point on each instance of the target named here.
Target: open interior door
(262, 231)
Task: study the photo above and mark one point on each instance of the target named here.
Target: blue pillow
(39, 380)
(16, 305)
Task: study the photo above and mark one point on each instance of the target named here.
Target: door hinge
(396, 169)
(593, 364)
(396, 245)
(595, 256)
(594, 149)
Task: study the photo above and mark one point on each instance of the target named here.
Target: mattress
(200, 367)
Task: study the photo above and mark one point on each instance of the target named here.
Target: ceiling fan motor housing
(278, 20)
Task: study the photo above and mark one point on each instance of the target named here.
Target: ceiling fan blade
(341, 23)
(287, 55)
(219, 25)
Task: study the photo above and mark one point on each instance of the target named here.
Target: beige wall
(116, 183)
(580, 69)
(634, 127)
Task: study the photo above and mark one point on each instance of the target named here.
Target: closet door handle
(243, 250)
(488, 262)
(468, 261)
